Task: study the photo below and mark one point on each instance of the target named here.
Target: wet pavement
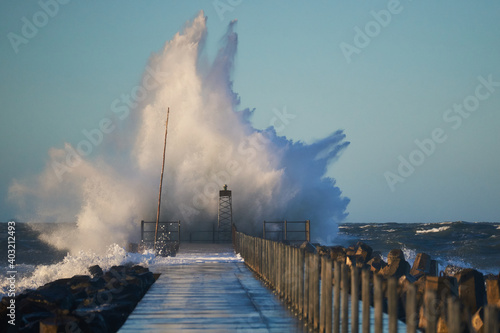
(206, 287)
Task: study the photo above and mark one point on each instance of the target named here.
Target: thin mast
(161, 181)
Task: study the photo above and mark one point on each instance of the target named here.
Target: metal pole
(161, 181)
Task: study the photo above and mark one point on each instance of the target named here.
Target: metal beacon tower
(225, 222)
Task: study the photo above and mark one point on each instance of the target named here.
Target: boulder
(52, 296)
(323, 250)
(421, 265)
(363, 252)
(395, 255)
(350, 251)
(452, 270)
(397, 266)
(376, 264)
(308, 247)
(337, 253)
(443, 286)
(96, 271)
(81, 303)
(471, 289)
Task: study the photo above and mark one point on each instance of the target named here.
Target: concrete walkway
(207, 288)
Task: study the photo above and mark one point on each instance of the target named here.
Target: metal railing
(168, 232)
(293, 231)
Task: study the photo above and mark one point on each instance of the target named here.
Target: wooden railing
(318, 289)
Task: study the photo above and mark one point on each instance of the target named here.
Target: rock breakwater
(98, 302)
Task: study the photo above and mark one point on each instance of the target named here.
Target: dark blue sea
(472, 245)
(466, 244)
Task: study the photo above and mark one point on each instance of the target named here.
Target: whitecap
(426, 231)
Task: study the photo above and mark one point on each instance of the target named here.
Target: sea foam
(211, 142)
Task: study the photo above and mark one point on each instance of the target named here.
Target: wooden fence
(318, 290)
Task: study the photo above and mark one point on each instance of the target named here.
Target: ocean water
(474, 245)
(465, 244)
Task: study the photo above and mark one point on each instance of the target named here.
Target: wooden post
(316, 290)
(328, 295)
(289, 275)
(354, 299)
(279, 270)
(411, 309)
(310, 315)
(283, 270)
(453, 316)
(336, 298)
(491, 319)
(305, 309)
(322, 307)
(392, 298)
(365, 296)
(345, 290)
(295, 278)
(378, 302)
(430, 311)
(161, 181)
(301, 282)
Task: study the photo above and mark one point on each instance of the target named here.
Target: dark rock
(81, 303)
(443, 286)
(96, 271)
(376, 264)
(337, 253)
(52, 296)
(32, 319)
(350, 251)
(363, 252)
(421, 265)
(148, 279)
(395, 255)
(471, 289)
(397, 266)
(308, 247)
(452, 270)
(66, 324)
(323, 250)
(112, 315)
(139, 269)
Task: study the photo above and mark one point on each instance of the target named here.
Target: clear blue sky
(395, 82)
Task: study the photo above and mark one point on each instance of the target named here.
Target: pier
(208, 288)
(261, 285)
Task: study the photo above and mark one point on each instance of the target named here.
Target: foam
(433, 230)
(211, 142)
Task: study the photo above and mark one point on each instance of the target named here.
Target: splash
(32, 277)
(211, 142)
